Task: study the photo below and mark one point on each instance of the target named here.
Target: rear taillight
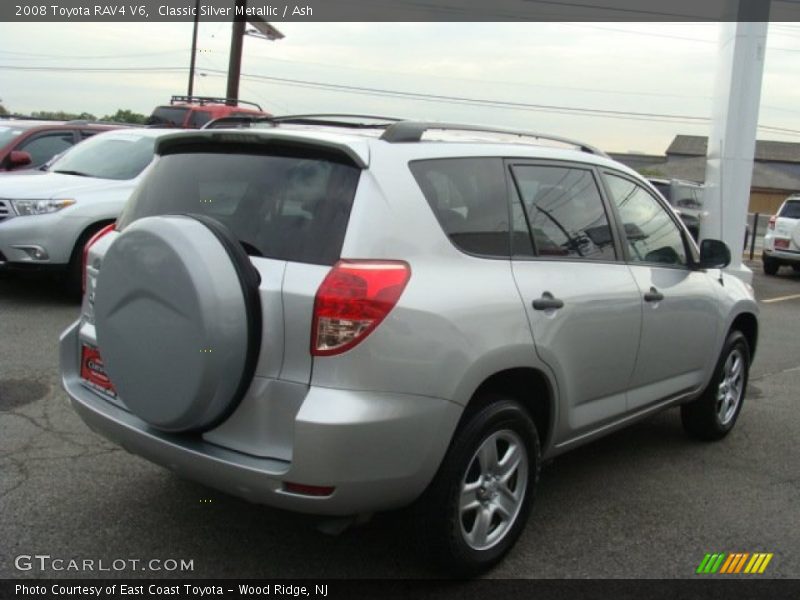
(92, 240)
(771, 224)
(352, 300)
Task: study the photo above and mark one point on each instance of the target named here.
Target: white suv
(47, 218)
(782, 241)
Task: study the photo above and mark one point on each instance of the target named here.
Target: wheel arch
(747, 323)
(530, 386)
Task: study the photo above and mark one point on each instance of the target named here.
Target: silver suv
(343, 318)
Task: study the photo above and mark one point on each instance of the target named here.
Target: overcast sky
(658, 68)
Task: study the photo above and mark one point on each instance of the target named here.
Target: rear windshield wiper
(78, 173)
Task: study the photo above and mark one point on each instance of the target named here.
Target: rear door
(288, 208)
(680, 317)
(583, 305)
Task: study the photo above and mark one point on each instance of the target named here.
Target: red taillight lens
(92, 240)
(772, 220)
(352, 300)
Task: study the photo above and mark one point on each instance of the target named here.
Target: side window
(652, 236)
(44, 147)
(565, 212)
(469, 198)
(199, 118)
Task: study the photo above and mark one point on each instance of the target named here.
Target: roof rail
(338, 120)
(412, 131)
(202, 100)
(329, 119)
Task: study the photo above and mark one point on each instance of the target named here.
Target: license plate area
(93, 373)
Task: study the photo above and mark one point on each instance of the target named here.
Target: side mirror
(19, 158)
(714, 254)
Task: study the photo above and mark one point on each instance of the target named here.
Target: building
(776, 171)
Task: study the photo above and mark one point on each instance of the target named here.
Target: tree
(60, 115)
(3, 110)
(126, 116)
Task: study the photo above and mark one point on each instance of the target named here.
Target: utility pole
(194, 47)
(237, 41)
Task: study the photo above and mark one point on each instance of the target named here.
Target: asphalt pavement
(644, 502)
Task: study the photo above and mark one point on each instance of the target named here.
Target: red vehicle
(28, 144)
(192, 112)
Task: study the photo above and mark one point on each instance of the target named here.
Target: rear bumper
(789, 256)
(378, 450)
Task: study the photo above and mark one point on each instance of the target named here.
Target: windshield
(8, 133)
(107, 157)
(168, 115)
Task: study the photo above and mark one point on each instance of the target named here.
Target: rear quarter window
(284, 207)
(470, 200)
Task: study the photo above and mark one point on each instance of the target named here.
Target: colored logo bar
(733, 563)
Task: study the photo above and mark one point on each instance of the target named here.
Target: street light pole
(194, 47)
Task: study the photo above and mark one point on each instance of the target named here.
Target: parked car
(782, 240)
(46, 220)
(30, 144)
(687, 199)
(339, 321)
(192, 112)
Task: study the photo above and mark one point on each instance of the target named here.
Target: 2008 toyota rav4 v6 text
(340, 320)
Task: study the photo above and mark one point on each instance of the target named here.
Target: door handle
(653, 295)
(547, 302)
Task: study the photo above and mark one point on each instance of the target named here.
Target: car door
(583, 306)
(679, 316)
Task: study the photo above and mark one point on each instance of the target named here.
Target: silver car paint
(376, 420)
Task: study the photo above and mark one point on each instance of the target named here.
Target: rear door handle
(653, 295)
(547, 302)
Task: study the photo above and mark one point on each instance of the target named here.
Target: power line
(426, 97)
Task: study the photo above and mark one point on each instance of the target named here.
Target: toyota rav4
(340, 319)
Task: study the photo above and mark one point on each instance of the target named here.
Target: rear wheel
(771, 266)
(478, 504)
(713, 415)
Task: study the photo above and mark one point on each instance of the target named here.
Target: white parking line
(781, 299)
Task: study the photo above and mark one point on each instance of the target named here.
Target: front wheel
(713, 415)
(478, 504)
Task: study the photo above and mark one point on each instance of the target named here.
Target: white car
(782, 241)
(46, 219)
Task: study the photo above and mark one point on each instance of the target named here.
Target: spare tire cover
(178, 321)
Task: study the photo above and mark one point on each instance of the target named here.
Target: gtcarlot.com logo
(734, 563)
(45, 562)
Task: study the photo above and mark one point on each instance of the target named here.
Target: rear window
(169, 116)
(791, 210)
(283, 207)
(470, 200)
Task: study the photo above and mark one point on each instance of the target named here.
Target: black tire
(71, 279)
(445, 529)
(709, 417)
(796, 267)
(771, 266)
